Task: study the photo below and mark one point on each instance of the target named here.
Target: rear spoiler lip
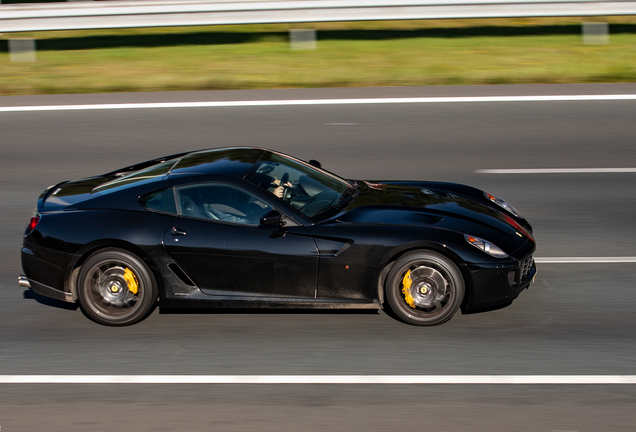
(48, 192)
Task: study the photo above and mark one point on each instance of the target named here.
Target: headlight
(485, 246)
(503, 204)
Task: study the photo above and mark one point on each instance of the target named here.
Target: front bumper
(496, 286)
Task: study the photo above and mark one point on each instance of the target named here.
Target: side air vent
(180, 274)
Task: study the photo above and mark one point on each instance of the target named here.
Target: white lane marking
(211, 104)
(556, 171)
(584, 260)
(317, 379)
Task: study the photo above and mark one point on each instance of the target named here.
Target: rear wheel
(116, 288)
(424, 288)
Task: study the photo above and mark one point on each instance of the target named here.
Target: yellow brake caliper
(406, 290)
(131, 281)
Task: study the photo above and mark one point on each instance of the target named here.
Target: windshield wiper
(346, 197)
(349, 193)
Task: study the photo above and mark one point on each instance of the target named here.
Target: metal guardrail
(126, 14)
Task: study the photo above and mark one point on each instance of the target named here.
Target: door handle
(177, 232)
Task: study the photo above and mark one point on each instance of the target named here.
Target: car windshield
(308, 189)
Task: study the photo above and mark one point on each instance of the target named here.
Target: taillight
(35, 219)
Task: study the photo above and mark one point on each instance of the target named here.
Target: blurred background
(122, 46)
(577, 319)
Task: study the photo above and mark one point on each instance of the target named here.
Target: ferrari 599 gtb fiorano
(250, 227)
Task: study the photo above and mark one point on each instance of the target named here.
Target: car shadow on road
(268, 311)
(32, 295)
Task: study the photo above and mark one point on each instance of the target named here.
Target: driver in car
(263, 178)
(280, 189)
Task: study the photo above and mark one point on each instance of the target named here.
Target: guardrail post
(595, 33)
(21, 50)
(302, 39)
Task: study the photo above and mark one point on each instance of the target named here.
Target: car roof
(234, 162)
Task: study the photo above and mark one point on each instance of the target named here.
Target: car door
(218, 242)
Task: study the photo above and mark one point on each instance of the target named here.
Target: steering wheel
(286, 189)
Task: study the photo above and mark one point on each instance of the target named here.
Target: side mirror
(272, 218)
(315, 163)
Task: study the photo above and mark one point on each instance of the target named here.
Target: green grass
(348, 55)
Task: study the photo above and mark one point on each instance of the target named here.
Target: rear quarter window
(160, 201)
(138, 177)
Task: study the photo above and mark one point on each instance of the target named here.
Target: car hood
(444, 205)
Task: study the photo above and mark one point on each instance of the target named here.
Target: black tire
(107, 292)
(436, 288)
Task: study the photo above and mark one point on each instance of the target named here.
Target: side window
(221, 202)
(162, 201)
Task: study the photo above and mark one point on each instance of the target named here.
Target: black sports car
(249, 227)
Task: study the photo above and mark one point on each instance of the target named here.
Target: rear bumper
(497, 286)
(44, 290)
(42, 264)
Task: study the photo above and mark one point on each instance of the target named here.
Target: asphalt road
(576, 318)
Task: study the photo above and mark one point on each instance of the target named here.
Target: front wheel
(424, 288)
(115, 288)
